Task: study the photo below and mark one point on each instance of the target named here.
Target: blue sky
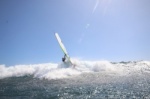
(114, 30)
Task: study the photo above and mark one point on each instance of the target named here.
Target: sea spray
(61, 70)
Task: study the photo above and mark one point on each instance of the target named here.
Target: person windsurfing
(64, 58)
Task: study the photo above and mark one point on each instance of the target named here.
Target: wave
(61, 70)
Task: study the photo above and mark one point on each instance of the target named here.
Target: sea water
(88, 80)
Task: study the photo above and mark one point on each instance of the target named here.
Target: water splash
(59, 71)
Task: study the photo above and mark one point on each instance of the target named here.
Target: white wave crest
(58, 71)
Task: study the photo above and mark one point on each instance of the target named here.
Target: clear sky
(114, 30)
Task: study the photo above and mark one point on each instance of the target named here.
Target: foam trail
(60, 71)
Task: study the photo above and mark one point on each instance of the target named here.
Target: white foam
(58, 71)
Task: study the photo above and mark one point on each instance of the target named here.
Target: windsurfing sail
(63, 47)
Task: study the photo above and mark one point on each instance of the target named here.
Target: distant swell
(58, 71)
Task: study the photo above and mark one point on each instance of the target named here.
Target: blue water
(92, 80)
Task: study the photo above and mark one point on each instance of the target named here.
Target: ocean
(88, 80)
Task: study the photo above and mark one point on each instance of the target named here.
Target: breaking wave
(59, 71)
